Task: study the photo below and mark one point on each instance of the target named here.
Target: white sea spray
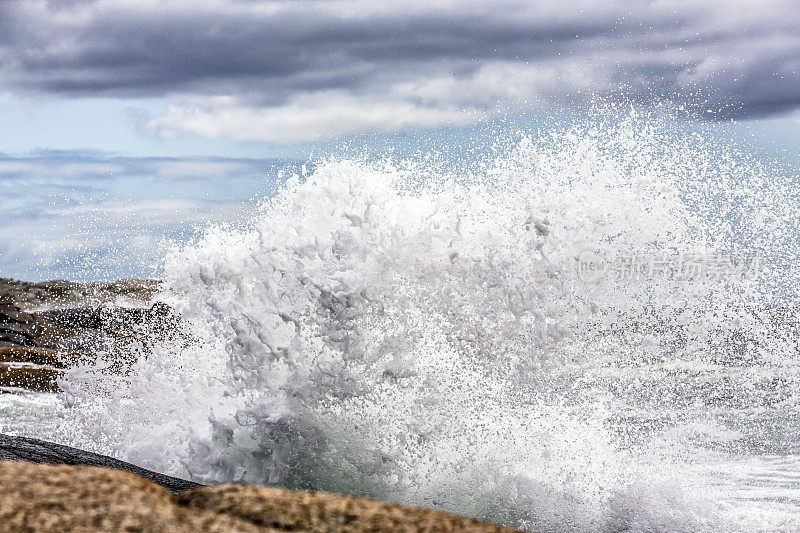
(431, 341)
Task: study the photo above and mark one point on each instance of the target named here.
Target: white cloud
(104, 240)
(40, 167)
(295, 71)
(306, 118)
(66, 216)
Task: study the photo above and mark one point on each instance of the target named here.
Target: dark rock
(17, 339)
(61, 293)
(7, 344)
(38, 345)
(29, 329)
(101, 318)
(76, 317)
(11, 313)
(36, 356)
(39, 451)
(18, 328)
(29, 377)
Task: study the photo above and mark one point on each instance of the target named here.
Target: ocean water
(593, 329)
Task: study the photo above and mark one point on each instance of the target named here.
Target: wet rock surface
(17, 328)
(48, 327)
(60, 293)
(14, 448)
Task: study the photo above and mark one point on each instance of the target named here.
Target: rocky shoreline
(61, 293)
(85, 498)
(74, 490)
(13, 448)
(47, 327)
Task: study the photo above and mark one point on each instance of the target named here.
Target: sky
(189, 109)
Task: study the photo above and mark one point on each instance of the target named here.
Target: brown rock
(285, 510)
(81, 498)
(36, 356)
(67, 293)
(36, 345)
(43, 498)
(30, 377)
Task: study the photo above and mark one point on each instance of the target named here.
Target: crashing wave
(434, 341)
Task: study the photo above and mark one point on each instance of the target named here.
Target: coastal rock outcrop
(61, 293)
(48, 327)
(25, 449)
(84, 498)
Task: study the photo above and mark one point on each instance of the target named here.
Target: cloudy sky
(166, 92)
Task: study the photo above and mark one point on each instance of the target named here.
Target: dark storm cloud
(136, 52)
(742, 58)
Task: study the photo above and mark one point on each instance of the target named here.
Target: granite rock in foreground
(84, 498)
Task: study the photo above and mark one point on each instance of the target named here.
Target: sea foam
(427, 336)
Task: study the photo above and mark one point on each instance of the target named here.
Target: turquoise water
(29, 415)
